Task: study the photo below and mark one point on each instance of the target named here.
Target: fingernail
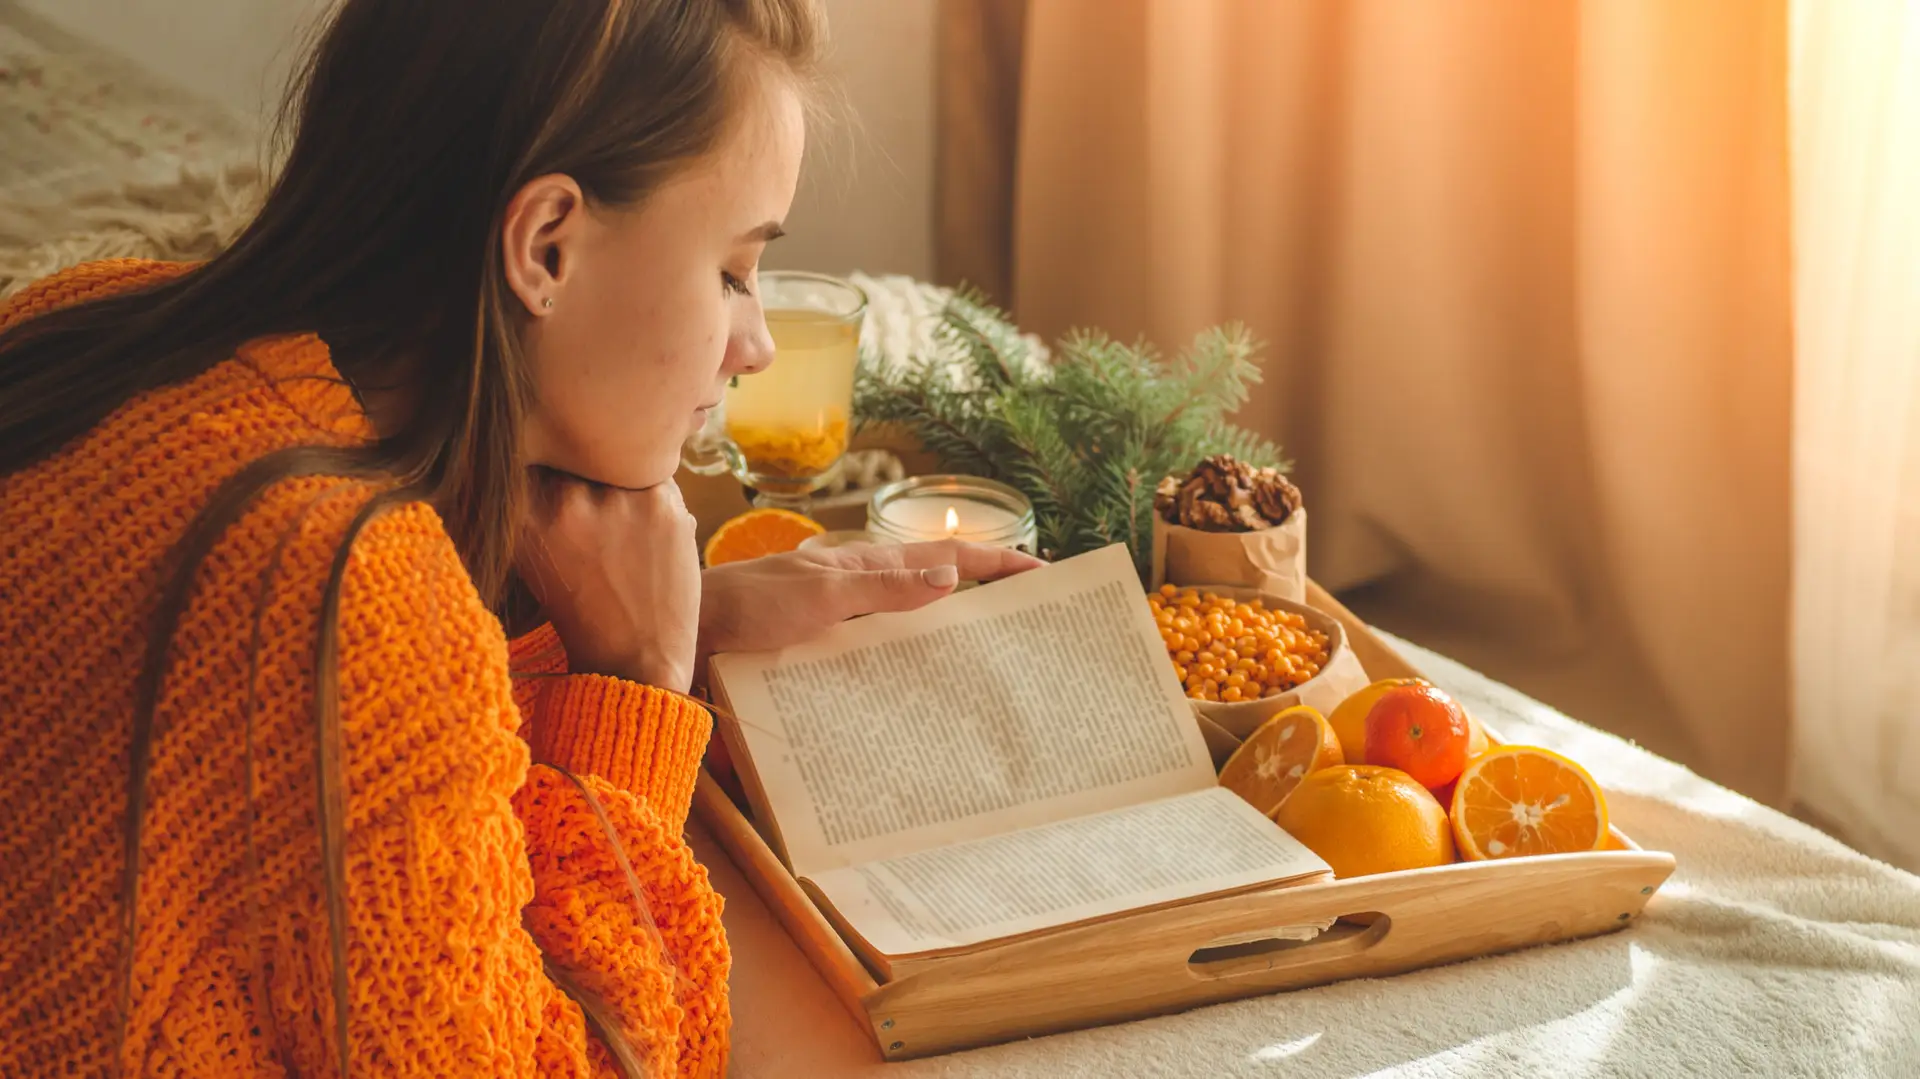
(941, 576)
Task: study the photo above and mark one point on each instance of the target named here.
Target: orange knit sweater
(459, 858)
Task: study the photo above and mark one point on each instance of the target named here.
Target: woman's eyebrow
(766, 233)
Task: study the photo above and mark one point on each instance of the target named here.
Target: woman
(281, 797)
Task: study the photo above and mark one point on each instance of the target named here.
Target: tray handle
(1346, 937)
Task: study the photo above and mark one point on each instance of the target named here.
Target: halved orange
(1519, 800)
(759, 532)
(1278, 755)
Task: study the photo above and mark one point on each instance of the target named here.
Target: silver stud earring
(547, 303)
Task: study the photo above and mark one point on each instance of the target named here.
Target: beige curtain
(1856, 172)
(1523, 268)
(980, 50)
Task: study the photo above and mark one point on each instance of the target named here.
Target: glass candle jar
(953, 507)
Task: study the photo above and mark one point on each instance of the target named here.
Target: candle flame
(953, 521)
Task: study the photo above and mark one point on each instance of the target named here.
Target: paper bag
(1272, 560)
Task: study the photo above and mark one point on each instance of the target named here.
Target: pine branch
(933, 413)
(1085, 434)
(984, 339)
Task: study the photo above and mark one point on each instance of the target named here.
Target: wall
(867, 196)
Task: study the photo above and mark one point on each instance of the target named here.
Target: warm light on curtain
(1856, 205)
(1524, 271)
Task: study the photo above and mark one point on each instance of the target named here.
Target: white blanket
(1773, 950)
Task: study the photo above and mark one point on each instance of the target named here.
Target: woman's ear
(539, 237)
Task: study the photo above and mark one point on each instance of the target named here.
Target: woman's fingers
(900, 589)
(617, 573)
(901, 578)
(785, 599)
(974, 561)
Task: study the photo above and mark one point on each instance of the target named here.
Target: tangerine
(1349, 718)
(1421, 731)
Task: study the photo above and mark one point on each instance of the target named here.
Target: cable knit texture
(460, 856)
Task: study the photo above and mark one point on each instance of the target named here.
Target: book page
(1037, 698)
(1069, 871)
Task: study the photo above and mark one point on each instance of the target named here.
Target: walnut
(1225, 495)
(1166, 496)
(1275, 496)
(1196, 510)
(1186, 505)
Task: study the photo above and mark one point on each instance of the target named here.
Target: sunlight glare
(1282, 1050)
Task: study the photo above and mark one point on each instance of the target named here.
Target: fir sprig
(1086, 432)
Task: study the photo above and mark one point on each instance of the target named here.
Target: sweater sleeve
(86, 281)
(636, 737)
(468, 872)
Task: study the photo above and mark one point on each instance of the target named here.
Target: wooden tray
(1168, 960)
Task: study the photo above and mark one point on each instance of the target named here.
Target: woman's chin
(652, 476)
(628, 474)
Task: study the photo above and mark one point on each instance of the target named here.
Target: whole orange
(1421, 731)
(1363, 819)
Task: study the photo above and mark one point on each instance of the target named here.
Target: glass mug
(784, 430)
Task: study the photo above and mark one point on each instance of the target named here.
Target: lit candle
(957, 507)
(942, 516)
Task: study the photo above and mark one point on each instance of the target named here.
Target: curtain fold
(1523, 271)
(977, 101)
(1856, 172)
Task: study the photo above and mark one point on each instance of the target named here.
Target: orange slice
(1278, 755)
(1519, 800)
(759, 532)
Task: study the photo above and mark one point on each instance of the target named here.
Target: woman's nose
(750, 348)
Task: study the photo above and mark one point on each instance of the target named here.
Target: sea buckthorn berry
(1213, 640)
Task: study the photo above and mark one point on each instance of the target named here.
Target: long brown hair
(414, 123)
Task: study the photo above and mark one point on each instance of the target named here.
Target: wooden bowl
(1341, 676)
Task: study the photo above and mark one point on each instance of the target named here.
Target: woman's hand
(790, 598)
(617, 573)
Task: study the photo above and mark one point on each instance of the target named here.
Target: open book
(1009, 760)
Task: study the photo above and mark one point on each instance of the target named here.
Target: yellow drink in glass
(788, 425)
